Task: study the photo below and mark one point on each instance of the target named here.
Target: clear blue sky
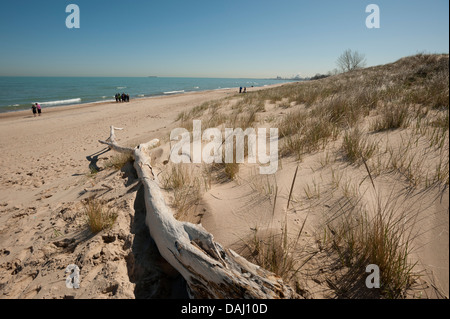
(212, 38)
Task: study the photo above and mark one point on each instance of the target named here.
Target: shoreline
(67, 107)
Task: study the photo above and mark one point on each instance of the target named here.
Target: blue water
(18, 93)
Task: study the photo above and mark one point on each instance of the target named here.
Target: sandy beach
(52, 163)
(46, 167)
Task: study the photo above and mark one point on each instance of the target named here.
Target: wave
(70, 101)
(174, 92)
(141, 95)
(121, 87)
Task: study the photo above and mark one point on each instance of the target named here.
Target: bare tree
(349, 60)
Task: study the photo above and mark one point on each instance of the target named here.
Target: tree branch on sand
(210, 270)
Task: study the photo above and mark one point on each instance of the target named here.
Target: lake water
(18, 93)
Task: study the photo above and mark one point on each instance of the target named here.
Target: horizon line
(149, 76)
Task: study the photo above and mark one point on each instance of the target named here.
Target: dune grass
(303, 133)
(118, 161)
(383, 236)
(342, 116)
(98, 215)
(410, 94)
(392, 117)
(356, 146)
(185, 185)
(276, 252)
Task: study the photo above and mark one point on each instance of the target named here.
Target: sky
(212, 38)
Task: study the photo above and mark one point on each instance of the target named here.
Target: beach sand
(46, 173)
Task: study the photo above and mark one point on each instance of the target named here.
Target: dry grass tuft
(392, 117)
(304, 134)
(356, 147)
(184, 184)
(382, 237)
(119, 160)
(98, 215)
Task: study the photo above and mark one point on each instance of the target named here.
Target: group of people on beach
(122, 97)
(36, 108)
(243, 91)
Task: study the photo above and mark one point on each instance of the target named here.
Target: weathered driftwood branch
(210, 270)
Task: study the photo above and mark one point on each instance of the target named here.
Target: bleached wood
(210, 270)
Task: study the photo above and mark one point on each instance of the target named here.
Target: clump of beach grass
(303, 133)
(119, 160)
(393, 117)
(231, 170)
(275, 252)
(226, 171)
(381, 236)
(356, 146)
(98, 215)
(184, 184)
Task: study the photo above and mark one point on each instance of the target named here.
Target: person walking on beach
(240, 89)
(38, 108)
(33, 107)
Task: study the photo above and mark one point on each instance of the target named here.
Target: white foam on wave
(121, 87)
(174, 92)
(70, 101)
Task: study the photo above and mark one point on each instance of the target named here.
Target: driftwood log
(210, 270)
